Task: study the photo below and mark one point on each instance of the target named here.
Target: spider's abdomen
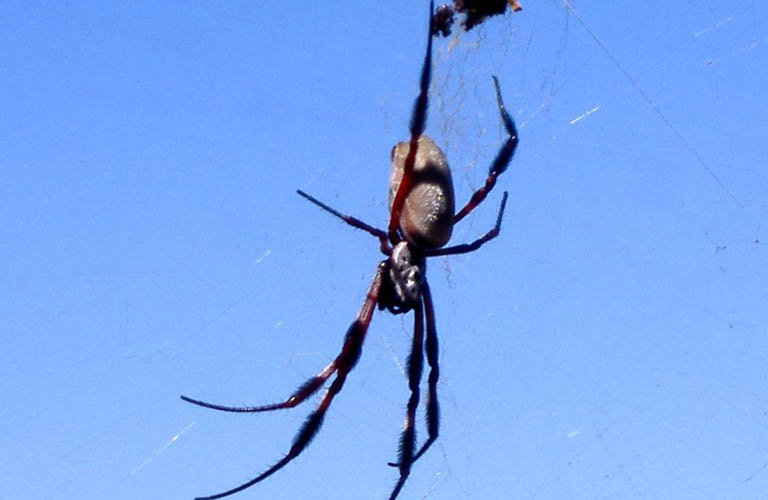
(426, 219)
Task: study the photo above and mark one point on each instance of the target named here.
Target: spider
(421, 221)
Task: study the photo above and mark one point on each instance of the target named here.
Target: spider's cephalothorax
(421, 220)
(403, 278)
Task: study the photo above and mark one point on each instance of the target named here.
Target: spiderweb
(609, 344)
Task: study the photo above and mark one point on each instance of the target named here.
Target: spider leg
(345, 361)
(499, 165)
(302, 393)
(352, 221)
(408, 437)
(418, 122)
(471, 247)
(431, 349)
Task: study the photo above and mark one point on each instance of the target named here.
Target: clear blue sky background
(611, 344)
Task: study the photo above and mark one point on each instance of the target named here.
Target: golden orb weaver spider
(421, 222)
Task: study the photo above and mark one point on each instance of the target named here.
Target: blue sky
(610, 344)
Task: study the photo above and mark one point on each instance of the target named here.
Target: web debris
(149, 459)
(583, 115)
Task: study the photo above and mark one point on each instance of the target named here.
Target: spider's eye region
(406, 273)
